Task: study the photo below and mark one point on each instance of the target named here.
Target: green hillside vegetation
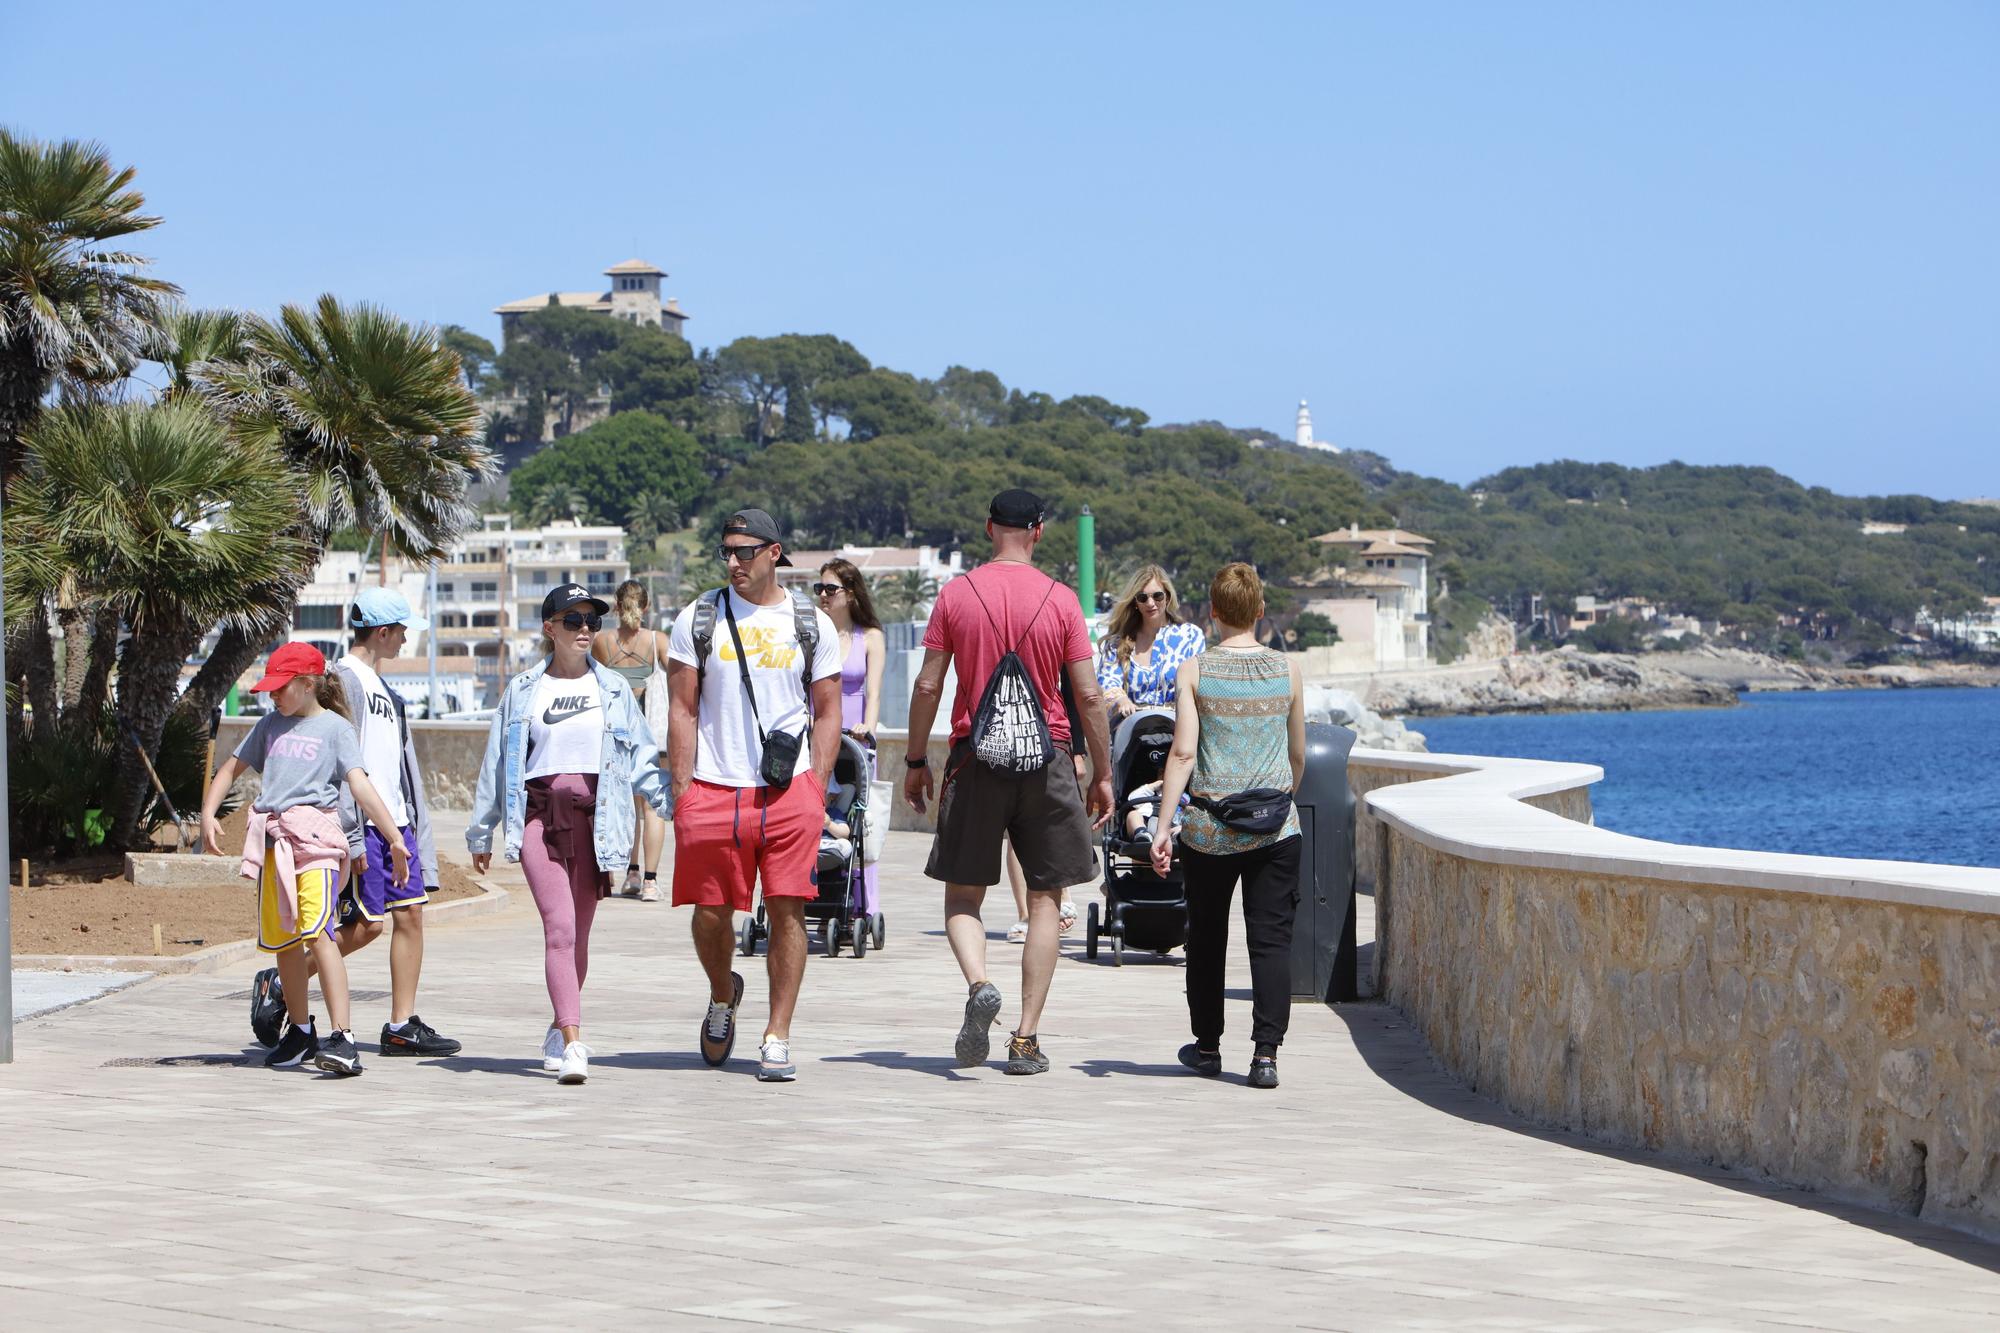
(841, 450)
(1741, 545)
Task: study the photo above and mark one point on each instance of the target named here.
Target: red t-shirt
(1048, 634)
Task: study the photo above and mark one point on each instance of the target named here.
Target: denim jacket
(629, 763)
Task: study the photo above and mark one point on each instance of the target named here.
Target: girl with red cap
(296, 846)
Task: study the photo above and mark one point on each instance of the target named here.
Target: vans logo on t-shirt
(304, 748)
(379, 706)
(562, 710)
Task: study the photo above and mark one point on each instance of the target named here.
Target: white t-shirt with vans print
(727, 752)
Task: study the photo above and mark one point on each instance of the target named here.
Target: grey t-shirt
(304, 760)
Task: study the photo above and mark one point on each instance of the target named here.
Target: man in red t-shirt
(1007, 605)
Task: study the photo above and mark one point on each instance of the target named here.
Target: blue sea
(1905, 775)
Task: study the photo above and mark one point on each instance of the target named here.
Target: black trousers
(1270, 878)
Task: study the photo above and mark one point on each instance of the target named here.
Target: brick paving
(885, 1190)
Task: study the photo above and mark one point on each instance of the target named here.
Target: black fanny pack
(1259, 810)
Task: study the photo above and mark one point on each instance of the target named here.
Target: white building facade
(1390, 568)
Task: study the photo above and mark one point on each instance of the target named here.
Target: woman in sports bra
(636, 652)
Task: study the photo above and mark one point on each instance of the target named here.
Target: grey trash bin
(1324, 963)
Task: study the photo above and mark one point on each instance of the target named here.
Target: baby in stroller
(836, 839)
(1142, 823)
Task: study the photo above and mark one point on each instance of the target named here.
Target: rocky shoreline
(1569, 680)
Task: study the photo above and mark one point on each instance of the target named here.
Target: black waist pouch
(1259, 810)
(781, 758)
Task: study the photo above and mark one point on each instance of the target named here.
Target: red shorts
(726, 837)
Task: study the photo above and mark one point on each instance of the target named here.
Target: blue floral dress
(1151, 685)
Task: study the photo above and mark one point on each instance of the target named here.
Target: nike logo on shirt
(562, 710)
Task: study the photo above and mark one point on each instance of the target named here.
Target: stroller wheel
(1090, 931)
(879, 929)
(860, 937)
(1117, 951)
(829, 937)
(746, 938)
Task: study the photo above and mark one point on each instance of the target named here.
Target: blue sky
(1473, 235)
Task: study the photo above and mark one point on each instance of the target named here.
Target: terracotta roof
(586, 300)
(875, 560)
(1391, 548)
(1364, 536)
(636, 266)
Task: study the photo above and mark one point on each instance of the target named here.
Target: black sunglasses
(827, 589)
(1149, 597)
(729, 553)
(589, 620)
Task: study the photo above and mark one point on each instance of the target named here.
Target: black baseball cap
(756, 523)
(563, 598)
(1017, 509)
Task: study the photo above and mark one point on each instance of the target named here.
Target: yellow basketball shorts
(318, 890)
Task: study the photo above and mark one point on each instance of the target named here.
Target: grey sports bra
(636, 676)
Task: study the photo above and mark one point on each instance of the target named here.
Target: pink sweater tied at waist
(303, 838)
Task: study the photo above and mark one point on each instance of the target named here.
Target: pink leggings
(566, 896)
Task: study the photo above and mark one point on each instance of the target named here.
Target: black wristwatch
(921, 761)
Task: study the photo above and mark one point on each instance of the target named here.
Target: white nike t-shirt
(727, 751)
(381, 738)
(565, 726)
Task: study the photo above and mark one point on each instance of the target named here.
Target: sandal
(1017, 933)
(1066, 915)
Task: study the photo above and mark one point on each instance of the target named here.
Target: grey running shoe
(982, 1007)
(718, 1029)
(1024, 1056)
(774, 1061)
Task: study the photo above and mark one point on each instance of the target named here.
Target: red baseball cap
(294, 659)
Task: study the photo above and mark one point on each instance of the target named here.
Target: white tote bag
(876, 831)
(656, 699)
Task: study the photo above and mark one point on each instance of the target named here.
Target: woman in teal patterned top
(1240, 723)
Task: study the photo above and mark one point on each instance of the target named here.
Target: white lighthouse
(1302, 432)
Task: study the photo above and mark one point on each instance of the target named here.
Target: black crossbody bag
(780, 758)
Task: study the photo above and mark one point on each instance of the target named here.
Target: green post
(231, 705)
(1086, 562)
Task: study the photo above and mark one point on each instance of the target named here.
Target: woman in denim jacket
(568, 750)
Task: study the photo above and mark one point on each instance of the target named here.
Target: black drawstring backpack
(1010, 733)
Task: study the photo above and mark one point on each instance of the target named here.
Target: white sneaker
(575, 1063)
(774, 1062)
(630, 889)
(552, 1050)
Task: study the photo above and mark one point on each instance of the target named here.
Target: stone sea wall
(1832, 1024)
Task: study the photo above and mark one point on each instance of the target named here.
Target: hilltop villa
(634, 296)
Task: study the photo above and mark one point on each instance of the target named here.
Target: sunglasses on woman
(576, 620)
(828, 589)
(1149, 597)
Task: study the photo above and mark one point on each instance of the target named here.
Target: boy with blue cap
(380, 620)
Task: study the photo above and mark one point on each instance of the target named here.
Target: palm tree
(372, 417)
(651, 514)
(71, 312)
(903, 596)
(160, 515)
(557, 503)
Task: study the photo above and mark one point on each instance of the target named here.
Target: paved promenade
(884, 1190)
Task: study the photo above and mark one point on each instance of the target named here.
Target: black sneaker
(1024, 1056)
(1264, 1072)
(1206, 1063)
(296, 1045)
(718, 1028)
(337, 1055)
(417, 1038)
(267, 1007)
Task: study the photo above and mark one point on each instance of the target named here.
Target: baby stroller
(846, 916)
(1141, 908)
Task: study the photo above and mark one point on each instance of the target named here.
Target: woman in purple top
(843, 595)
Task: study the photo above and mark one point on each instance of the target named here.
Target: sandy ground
(86, 907)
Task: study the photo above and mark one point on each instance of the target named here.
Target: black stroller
(1141, 908)
(846, 916)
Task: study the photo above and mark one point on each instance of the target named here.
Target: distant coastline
(1573, 681)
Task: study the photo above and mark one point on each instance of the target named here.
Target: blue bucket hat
(384, 606)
